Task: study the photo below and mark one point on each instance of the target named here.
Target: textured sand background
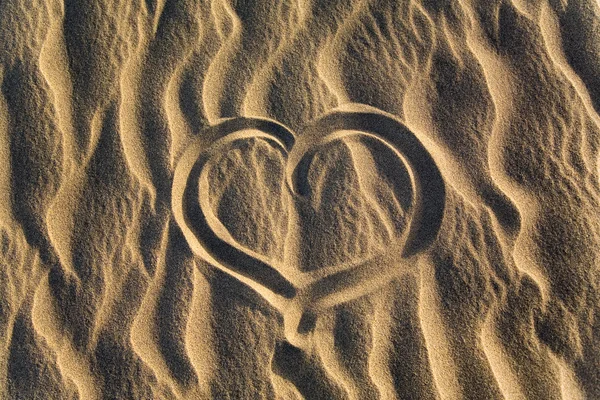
(103, 294)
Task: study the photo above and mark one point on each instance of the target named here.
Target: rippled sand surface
(341, 199)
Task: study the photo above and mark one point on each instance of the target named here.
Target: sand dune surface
(372, 199)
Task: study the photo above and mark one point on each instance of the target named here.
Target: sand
(300, 200)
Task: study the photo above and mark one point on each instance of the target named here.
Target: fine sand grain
(346, 199)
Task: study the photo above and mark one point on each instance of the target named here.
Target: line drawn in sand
(300, 295)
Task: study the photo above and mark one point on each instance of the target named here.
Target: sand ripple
(104, 295)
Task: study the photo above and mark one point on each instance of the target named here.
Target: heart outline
(328, 288)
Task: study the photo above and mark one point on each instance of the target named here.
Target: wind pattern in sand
(102, 296)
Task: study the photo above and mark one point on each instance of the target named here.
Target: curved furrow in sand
(353, 340)
(372, 57)
(7, 218)
(30, 367)
(73, 363)
(183, 101)
(289, 87)
(170, 112)
(104, 206)
(458, 118)
(306, 372)
(262, 77)
(324, 345)
(510, 342)
(159, 331)
(575, 25)
(100, 120)
(394, 369)
(556, 112)
(461, 288)
(33, 370)
(34, 149)
(337, 339)
(405, 370)
(292, 16)
(231, 181)
(34, 162)
(199, 337)
(247, 45)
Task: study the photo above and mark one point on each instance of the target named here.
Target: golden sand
(300, 200)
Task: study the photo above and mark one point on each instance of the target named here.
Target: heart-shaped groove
(328, 286)
(195, 223)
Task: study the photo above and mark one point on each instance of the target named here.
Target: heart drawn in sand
(303, 293)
